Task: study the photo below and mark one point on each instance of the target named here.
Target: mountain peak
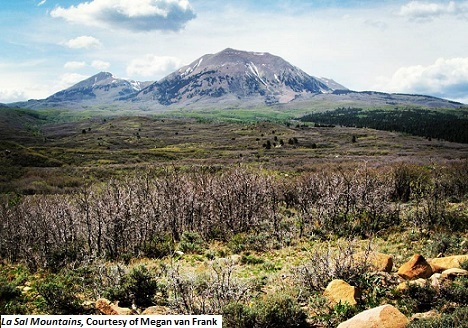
(235, 76)
(103, 86)
(236, 52)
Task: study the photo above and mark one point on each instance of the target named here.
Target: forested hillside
(421, 122)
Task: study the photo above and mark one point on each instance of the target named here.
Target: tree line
(415, 121)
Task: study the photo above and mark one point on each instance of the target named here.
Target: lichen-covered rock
(416, 267)
(385, 316)
(339, 291)
(404, 285)
(443, 263)
(435, 280)
(453, 273)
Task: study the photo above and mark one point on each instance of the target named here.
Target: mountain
(102, 88)
(228, 79)
(233, 75)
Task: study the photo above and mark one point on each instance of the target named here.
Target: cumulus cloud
(69, 79)
(73, 65)
(446, 78)
(427, 11)
(100, 65)
(152, 65)
(137, 15)
(97, 64)
(9, 95)
(83, 42)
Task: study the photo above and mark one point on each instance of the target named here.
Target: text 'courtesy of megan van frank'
(117, 321)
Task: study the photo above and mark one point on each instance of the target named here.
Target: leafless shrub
(326, 263)
(210, 292)
(122, 218)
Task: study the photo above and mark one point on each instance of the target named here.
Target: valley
(79, 152)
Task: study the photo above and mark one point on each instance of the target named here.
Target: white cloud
(83, 42)
(73, 65)
(152, 65)
(41, 3)
(139, 15)
(97, 64)
(447, 78)
(9, 95)
(427, 11)
(100, 65)
(68, 79)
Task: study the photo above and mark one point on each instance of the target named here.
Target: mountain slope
(233, 75)
(99, 89)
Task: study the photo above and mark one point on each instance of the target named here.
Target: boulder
(453, 273)
(385, 316)
(416, 267)
(443, 263)
(425, 315)
(435, 280)
(418, 282)
(156, 310)
(381, 262)
(106, 307)
(339, 291)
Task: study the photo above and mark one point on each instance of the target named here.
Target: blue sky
(392, 46)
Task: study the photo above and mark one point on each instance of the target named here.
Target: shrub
(238, 315)
(137, 287)
(10, 298)
(59, 295)
(159, 246)
(276, 311)
(444, 244)
(255, 242)
(418, 298)
(280, 311)
(251, 259)
(454, 293)
(330, 316)
(191, 242)
(63, 255)
(375, 288)
(237, 244)
(409, 181)
(327, 263)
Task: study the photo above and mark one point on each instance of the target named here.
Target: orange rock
(416, 267)
(339, 291)
(379, 262)
(106, 307)
(382, 262)
(385, 316)
(449, 262)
